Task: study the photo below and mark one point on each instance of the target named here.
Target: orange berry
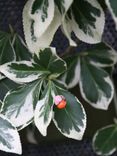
(62, 104)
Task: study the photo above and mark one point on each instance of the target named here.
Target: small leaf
(64, 6)
(102, 55)
(86, 19)
(40, 33)
(44, 111)
(22, 53)
(22, 71)
(70, 121)
(112, 5)
(49, 60)
(72, 74)
(95, 85)
(6, 85)
(6, 49)
(9, 137)
(18, 105)
(105, 140)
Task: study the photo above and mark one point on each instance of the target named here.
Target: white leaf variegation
(44, 111)
(112, 5)
(39, 33)
(70, 121)
(18, 105)
(86, 19)
(41, 15)
(22, 71)
(102, 55)
(9, 137)
(63, 6)
(72, 75)
(95, 85)
(108, 145)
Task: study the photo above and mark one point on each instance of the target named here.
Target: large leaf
(49, 60)
(6, 50)
(70, 121)
(95, 85)
(21, 51)
(42, 14)
(112, 5)
(72, 74)
(18, 105)
(102, 55)
(44, 111)
(105, 140)
(9, 137)
(41, 20)
(86, 19)
(22, 71)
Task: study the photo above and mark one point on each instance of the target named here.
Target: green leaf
(6, 50)
(23, 71)
(72, 74)
(86, 19)
(18, 105)
(70, 121)
(95, 85)
(21, 51)
(40, 20)
(102, 55)
(49, 60)
(105, 140)
(112, 5)
(9, 137)
(44, 111)
(5, 86)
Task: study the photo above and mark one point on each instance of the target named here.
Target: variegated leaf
(72, 74)
(21, 51)
(49, 60)
(102, 55)
(86, 19)
(18, 105)
(5, 86)
(70, 121)
(44, 111)
(22, 71)
(112, 5)
(41, 20)
(105, 140)
(9, 137)
(95, 85)
(7, 53)
(63, 6)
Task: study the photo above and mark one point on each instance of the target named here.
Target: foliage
(32, 75)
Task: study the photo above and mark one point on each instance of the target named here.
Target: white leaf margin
(102, 103)
(111, 10)
(39, 26)
(5, 70)
(73, 133)
(16, 142)
(76, 77)
(113, 57)
(98, 31)
(46, 38)
(94, 138)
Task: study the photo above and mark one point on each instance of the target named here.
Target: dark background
(55, 144)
